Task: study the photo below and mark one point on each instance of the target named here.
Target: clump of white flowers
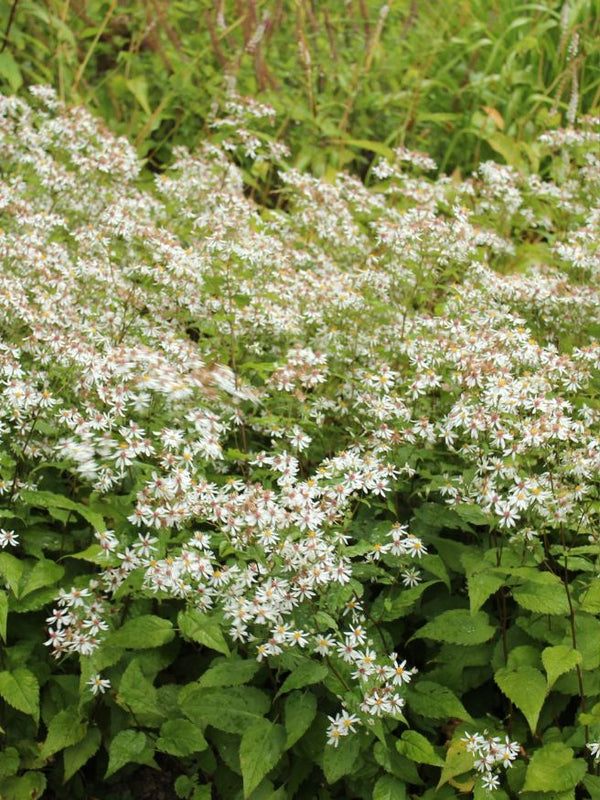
(491, 753)
(249, 381)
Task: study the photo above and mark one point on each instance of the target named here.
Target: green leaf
(367, 144)
(472, 514)
(49, 500)
(44, 573)
(389, 788)
(65, 729)
(558, 660)
(139, 89)
(526, 687)
(9, 762)
(434, 564)
(232, 710)
(590, 598)
(21, 690)
(307, 673)
(3, 614)
(96, 555)
(25, 787)
(127, 746)
(542, 598)
(399, 766)
(183, 786)
(201, 628)
(341, 760)
(142, 632)
(592, 784)
(180, 737)
(229, 672)
(402, 604)
(136, 692)
(299, 708)
(260, 749)
(458, 762)
(10, 71)
(417, 748)
(458, 626)
(588, 640)
(435, 701)
(483, 584)
(507, 147)
(553, 769)
(79, 754)
(11, 569)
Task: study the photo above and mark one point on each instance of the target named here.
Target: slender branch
(11, 17)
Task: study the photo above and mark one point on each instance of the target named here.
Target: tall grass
(462, 79)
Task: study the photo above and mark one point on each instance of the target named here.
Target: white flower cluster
(243, 383)
(491, 753)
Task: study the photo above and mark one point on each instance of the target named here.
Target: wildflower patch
(303, 500)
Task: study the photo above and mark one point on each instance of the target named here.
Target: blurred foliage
(463, 80)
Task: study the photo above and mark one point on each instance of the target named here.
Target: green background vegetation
(463, 80)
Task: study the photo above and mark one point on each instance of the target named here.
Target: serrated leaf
(416, 747)
(136, 692)
(299, 708)
(435, 701)
(260, 749)
(434, 564)
(180, 737)
(590, 598)
(553, 769)
(143, 632)
(79, 754)
(399, 766)
(49, 500)
(11, 569)
(229, 672)
(592, 784)
(127, 747)
(202, 628)
(341, 760)
(588, 641)
(65, 729)
(402, 604)
(9, 762)
(232, 710)
(305, 674)
(472, 514)
(183, 786)
(558, 660)
(526, 687)
(458, 626)
(389, 788)
(21, 690)
(43, 573)
(542, 598)
(24, 787)
(482, 585)
(458, 762)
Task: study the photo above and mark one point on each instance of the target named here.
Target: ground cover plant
(296, 501)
